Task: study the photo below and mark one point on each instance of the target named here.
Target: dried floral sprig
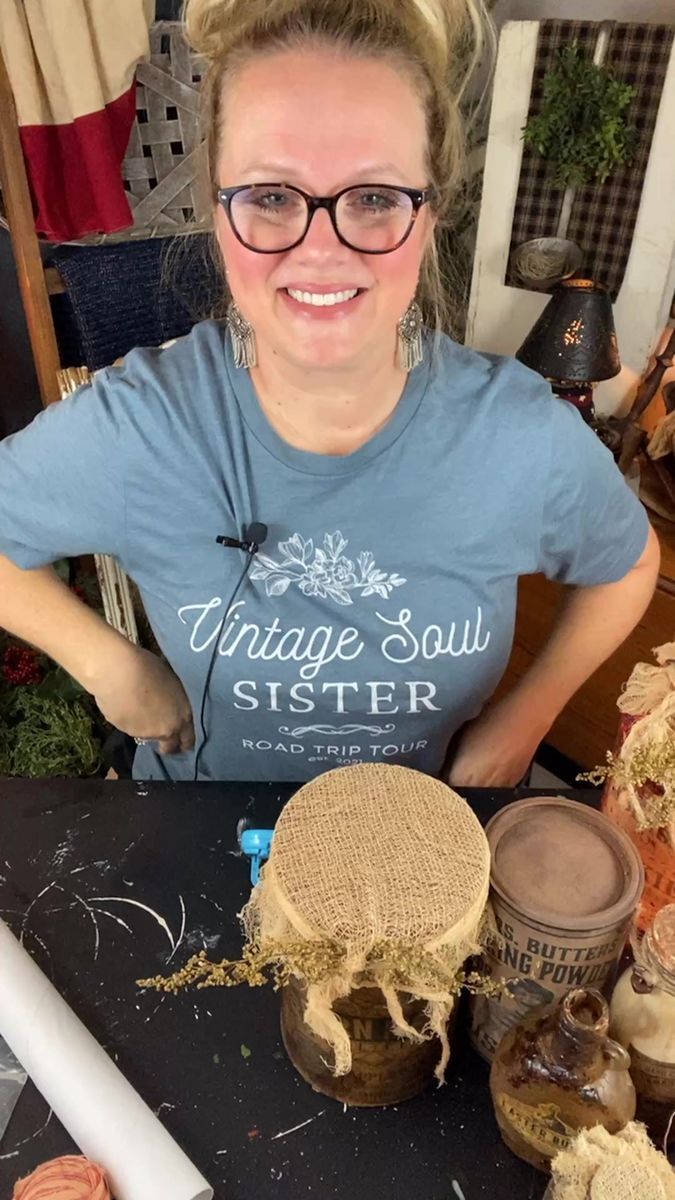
(390, 963)
(649, 769)
(276, 962)
(480, 984)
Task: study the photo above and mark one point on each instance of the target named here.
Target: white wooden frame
(500, 316)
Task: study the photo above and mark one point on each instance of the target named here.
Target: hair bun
(442, 27)
(212, 25)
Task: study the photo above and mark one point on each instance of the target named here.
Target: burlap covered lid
(375, 852)
(626, 1181)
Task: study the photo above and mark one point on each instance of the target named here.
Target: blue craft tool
(256, 844)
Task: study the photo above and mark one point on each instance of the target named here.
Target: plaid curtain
(603, 215)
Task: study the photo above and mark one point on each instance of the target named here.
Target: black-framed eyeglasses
(372, 218)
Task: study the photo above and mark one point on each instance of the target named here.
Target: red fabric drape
(74, 172)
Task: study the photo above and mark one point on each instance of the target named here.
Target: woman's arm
(134, 689)
(497, 748)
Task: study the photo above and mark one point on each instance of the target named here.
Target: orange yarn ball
(71, 1177)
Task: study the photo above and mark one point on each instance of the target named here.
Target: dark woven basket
(138, 293)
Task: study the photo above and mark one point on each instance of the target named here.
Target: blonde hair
(439, 43)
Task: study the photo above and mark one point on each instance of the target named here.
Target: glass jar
(386, 1069)
(643, 1020)
(655, 846)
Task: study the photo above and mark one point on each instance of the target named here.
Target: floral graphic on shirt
(324, 570)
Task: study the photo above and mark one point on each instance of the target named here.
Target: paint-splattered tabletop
(109, 882)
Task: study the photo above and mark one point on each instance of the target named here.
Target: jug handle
(618, 1056)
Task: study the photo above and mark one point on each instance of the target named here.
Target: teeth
(319, 299)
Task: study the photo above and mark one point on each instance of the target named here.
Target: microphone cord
(251, 552)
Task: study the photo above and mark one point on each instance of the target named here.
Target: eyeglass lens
(274, 218)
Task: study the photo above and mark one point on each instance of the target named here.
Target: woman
(405, 484)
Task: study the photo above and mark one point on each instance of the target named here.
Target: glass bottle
(643, 1019)
(655, 847)
(558, 1072)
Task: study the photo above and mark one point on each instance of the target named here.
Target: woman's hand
(496, 749)
(135, 690)
(139, 694)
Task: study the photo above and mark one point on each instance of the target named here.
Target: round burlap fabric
(604, 1166)
(391, 867)
(626, 1181)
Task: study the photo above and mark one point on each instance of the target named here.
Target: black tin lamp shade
(574, 340)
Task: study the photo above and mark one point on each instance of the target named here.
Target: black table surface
(74, 854)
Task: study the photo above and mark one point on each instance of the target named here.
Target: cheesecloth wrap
(603, 1166)
(390, 868)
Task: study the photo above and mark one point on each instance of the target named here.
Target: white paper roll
(90, 1096)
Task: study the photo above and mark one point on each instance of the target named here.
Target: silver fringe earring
(410, 347)
(243, 338)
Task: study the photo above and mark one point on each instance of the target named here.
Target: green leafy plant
(47, 728)
(49, 725)
(583, 129)
(53, 737)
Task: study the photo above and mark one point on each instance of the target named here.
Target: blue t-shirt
(378, 616)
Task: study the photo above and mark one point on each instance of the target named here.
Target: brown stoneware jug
(558, 1072)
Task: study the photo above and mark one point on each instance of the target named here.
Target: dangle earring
(243, 338)
(410, 346)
